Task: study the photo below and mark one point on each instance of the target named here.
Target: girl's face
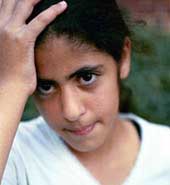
(78, 93)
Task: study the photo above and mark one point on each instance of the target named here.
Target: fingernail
(63, 4)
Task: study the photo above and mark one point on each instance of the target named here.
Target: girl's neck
(119, 153)
(121, 142)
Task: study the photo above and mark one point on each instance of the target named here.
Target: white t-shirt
(40, 157)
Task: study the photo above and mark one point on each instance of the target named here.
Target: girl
(72, 56)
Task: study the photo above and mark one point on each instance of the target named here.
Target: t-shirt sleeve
(10, 173)
(14, 173)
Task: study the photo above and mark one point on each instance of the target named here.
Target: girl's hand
(17, 40)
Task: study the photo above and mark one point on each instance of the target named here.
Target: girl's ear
(125, 61)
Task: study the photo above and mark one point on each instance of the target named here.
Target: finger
(37, 25)
(0, 4)
(7, 7)
(6, 10)
(22, 11)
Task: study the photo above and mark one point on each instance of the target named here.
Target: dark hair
(98, 23)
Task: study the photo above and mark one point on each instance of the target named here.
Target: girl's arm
(12, 102)
(17, 68)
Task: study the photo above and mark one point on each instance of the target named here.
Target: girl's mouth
(83, 131)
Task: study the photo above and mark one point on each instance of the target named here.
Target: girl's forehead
(64, 51)
(59, 57)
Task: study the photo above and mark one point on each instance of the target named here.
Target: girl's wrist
(16, 88)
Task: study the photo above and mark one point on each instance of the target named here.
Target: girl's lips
(84, 130)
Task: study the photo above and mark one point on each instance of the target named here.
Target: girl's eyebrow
(84, 69)
(72, 75)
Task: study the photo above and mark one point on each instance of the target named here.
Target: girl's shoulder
(156, 137)
(153, 162)
(37, 135)
(148, 126)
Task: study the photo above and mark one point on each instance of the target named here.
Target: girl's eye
(87, 79)
(45, 89)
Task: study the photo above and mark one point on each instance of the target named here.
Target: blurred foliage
(30, 110)
(147, 90)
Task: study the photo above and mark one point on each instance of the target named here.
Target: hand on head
(17, 39)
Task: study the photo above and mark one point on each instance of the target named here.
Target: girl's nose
(72, 105)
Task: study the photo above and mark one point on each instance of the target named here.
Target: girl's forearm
(12, 103)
